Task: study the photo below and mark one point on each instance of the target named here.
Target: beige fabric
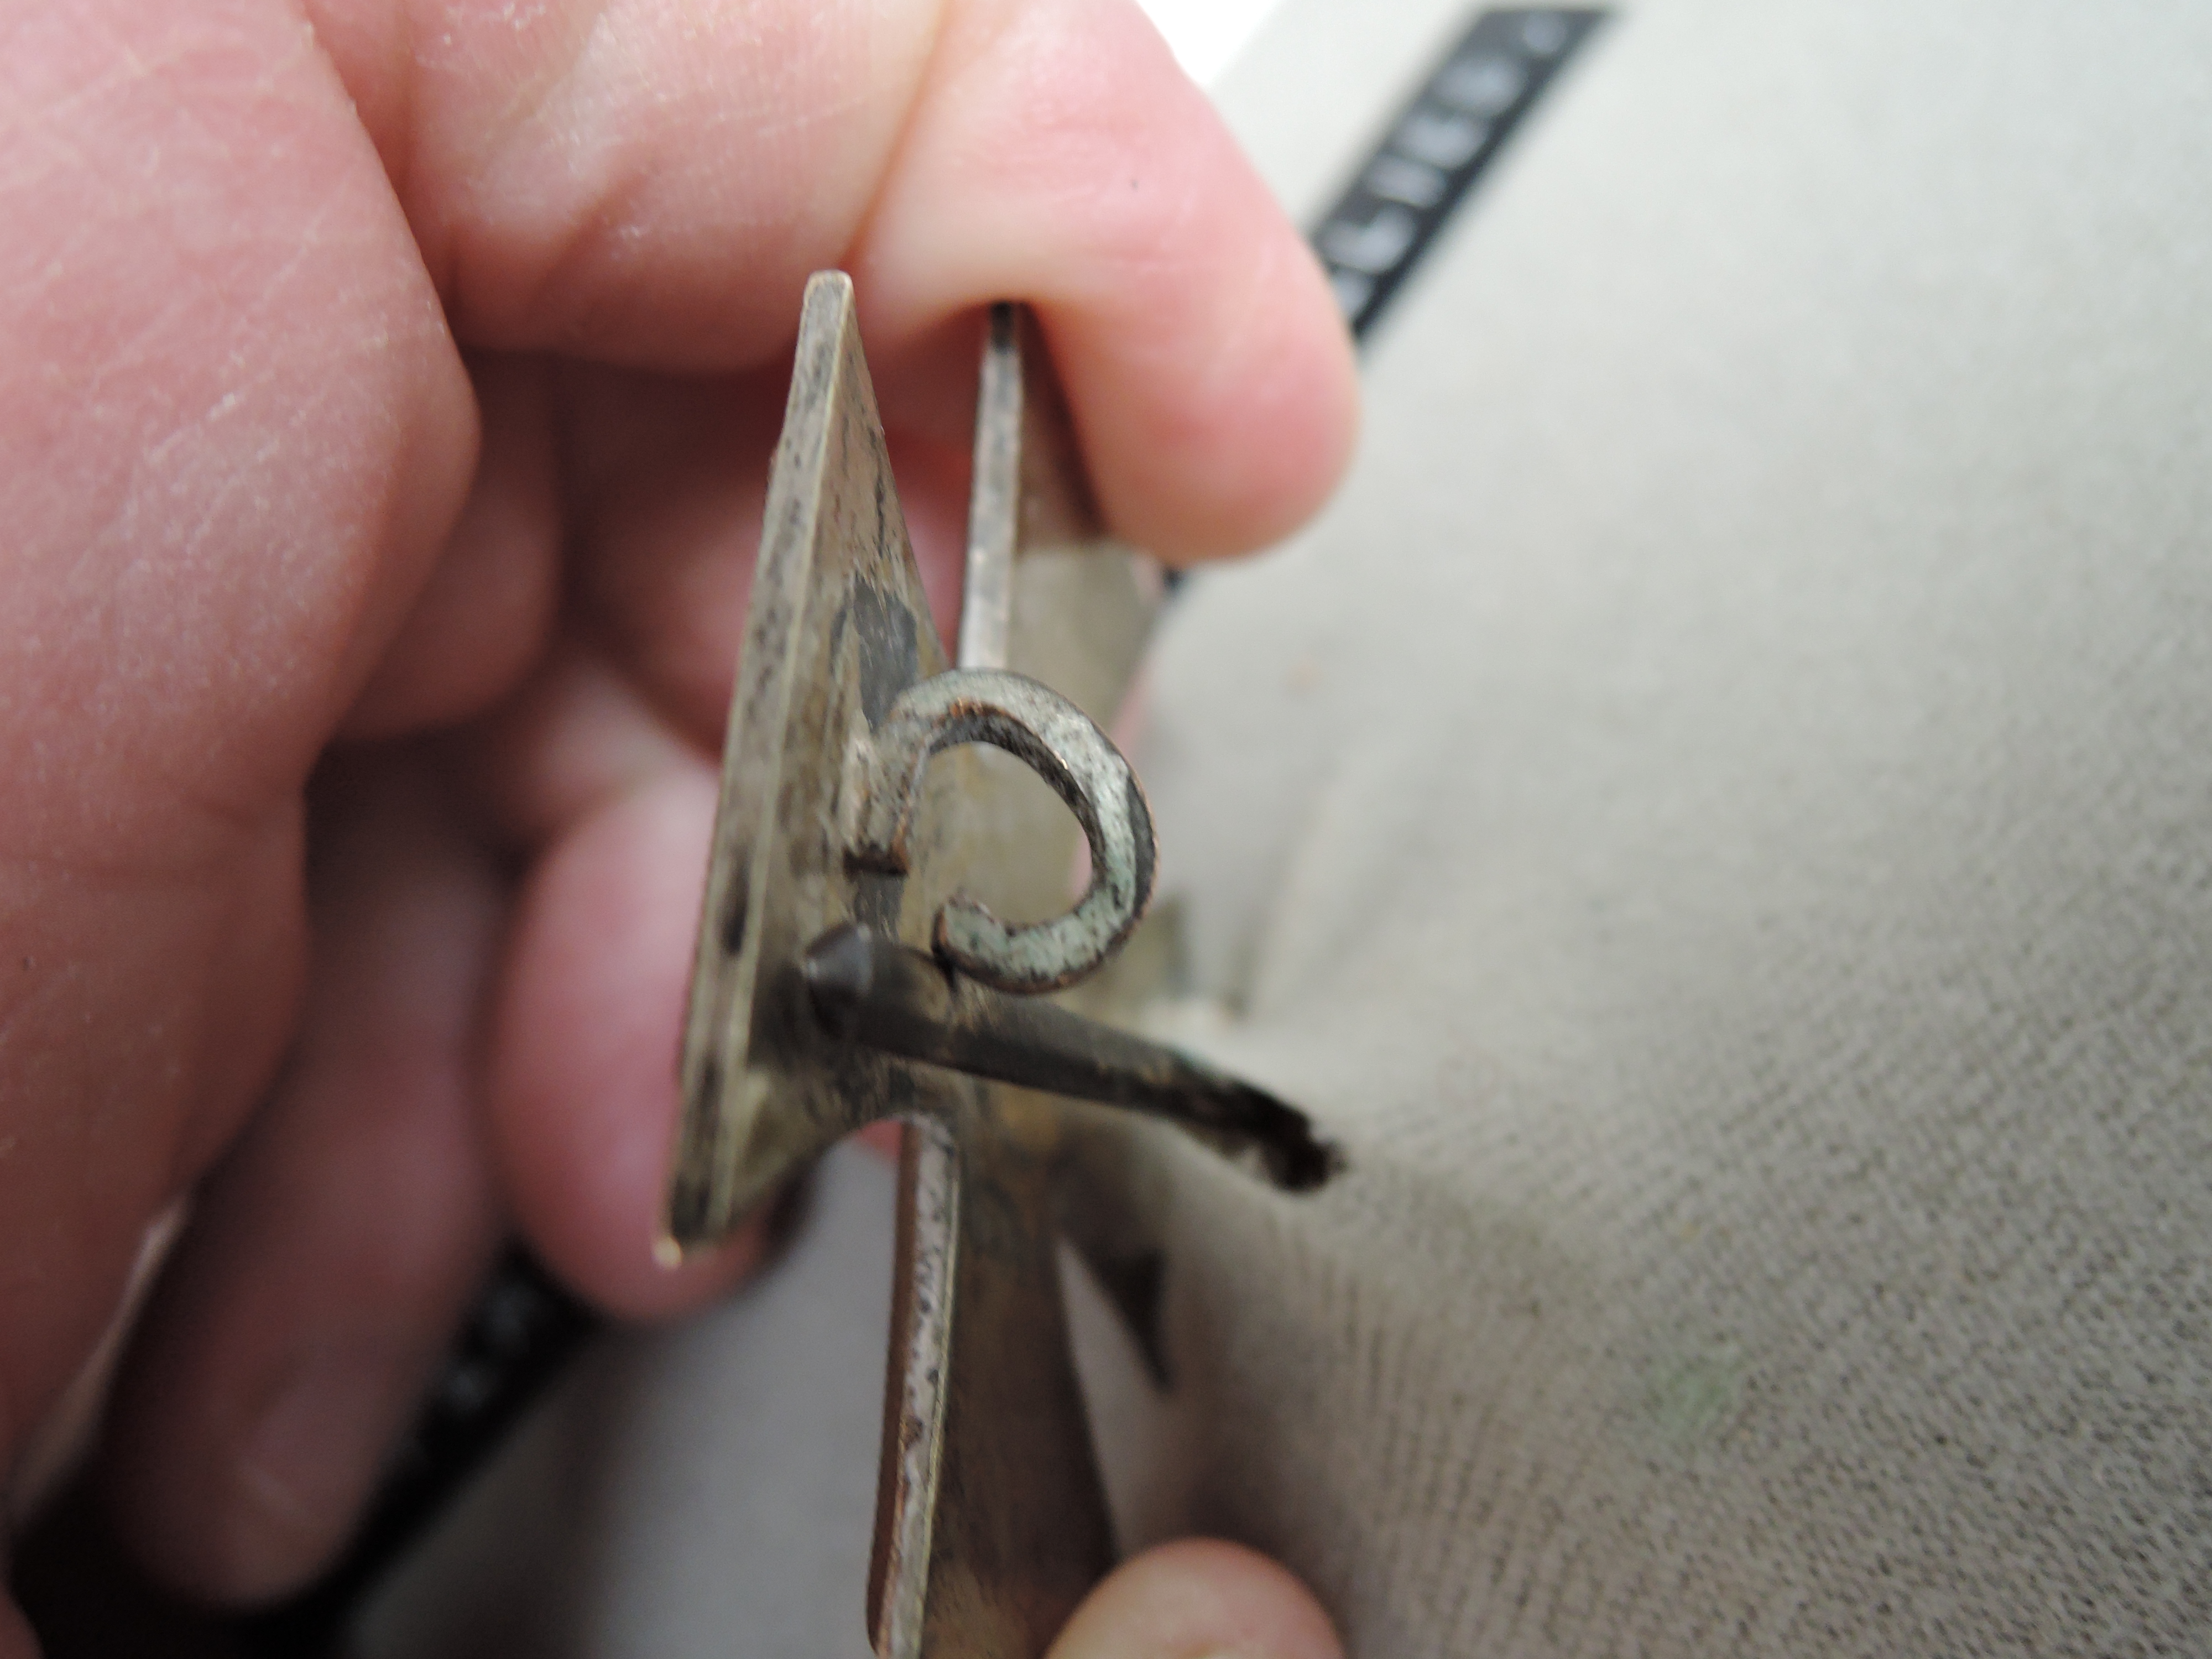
(1719, 815)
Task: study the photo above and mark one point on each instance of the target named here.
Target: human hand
(386, 401)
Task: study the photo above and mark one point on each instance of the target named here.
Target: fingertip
(1244, 434)
(1207, 367)
(583, 1071)
(331, 1251)
(483, 612)
(1201, 1598)
(16, 1639)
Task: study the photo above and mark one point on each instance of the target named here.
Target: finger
(233, 434)
(483, 615)
(330, 1255)
(669, 477)
(120, 1070)
(237, 429)
(1056, 154)
(576, 737)
(583, 1072)
(650, 185)
(1199, 1599)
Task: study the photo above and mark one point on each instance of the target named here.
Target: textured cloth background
(1720, 812)
(1718, 816)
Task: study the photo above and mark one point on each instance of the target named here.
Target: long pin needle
(870, 989)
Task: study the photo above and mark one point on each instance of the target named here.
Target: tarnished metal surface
(838, 627)
(1038, 725)
(864, 854)
(994, 498)
(873, 990)
(990, 1556)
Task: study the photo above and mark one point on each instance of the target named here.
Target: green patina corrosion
(1692, 1397)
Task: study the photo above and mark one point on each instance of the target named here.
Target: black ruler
(1443, 141)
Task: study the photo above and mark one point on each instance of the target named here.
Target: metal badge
(885, 902)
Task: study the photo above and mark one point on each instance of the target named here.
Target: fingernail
(304, 1467)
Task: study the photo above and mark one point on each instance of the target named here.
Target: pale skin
(386, 392)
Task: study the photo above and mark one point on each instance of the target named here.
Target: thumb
(1199, 1599)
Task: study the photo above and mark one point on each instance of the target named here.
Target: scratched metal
(994, 499)
(991, 1521)
(873, 990)
(838, 627)
(1062, 746)
(841, 820)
